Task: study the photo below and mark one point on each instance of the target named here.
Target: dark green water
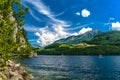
(74, 67)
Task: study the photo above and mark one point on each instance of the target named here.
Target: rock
(1, 60)
(6, 73)
(3, 77)
(29, 77)
(0, 78)
(14, 71)
(17, 65)
(17, 77)
(10, 63)
(33, 54)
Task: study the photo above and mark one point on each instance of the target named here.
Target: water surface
(73, 67)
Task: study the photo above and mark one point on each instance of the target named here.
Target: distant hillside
(108, 38)
(107, 43)
(80, 38)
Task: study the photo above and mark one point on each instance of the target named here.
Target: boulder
(14, 71)
(3, 77)
(17, 77)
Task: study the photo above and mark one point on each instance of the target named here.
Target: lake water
(73, 67)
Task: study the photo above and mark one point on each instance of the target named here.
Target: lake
(45, 67)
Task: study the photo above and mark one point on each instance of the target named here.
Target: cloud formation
(78, 13)
(55, 28)
(31, 28)
(46, 36)
(82, 31)
(116, 26)
(85, 13)
(39, 6)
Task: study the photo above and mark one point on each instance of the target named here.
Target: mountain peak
(79, 38)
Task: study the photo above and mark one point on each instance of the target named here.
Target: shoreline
(14, 71)
(77, 55)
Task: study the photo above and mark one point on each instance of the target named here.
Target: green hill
(108, 38)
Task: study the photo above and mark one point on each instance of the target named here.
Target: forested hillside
(13, 41)
(108, 38)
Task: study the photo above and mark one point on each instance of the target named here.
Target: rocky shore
(14, 71)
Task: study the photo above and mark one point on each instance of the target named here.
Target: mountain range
(79, 38)
(105, 43)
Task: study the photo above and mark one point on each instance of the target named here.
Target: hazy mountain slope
(80, 38)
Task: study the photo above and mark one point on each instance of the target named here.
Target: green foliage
(8, 46)
(54, 45)
(108, 38)
(6, 38)
(82, 50)
(20, 13)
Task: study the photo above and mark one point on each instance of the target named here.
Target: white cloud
(111, 18)
(74, 34)
(57, 28)
(78, 13)
(116, 26)
(43, 9)
(46, 36)
(61, 13)
(82, 31)
(37, 34)
(31, 28)
(85, 13)
(34, 16)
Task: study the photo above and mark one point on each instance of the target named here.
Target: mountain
(107, 38)
(107, 43)
(80, 38)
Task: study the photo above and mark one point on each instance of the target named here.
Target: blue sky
(50, 20)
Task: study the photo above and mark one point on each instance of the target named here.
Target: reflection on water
(74, 67)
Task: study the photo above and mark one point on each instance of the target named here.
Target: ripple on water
(74, 67)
